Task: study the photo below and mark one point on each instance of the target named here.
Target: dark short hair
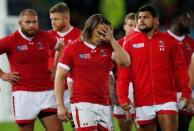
(90, 25)
(61, 7)
(150, 8)
(177, 14)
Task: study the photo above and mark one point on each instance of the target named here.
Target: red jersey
(90, 67)
(67, 38)
(187, 45)
(29, 57)
(153, 61)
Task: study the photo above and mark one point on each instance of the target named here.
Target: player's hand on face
(107, 31)
(11, 77)
(63, 114)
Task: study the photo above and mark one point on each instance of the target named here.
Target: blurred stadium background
(114, 10)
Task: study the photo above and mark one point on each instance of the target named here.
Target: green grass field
(67, 127)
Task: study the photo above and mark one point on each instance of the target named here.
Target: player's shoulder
(45, 34)
(120, 41)
(189, 38)
(166, 34)
(14, 35)
(76, 29)
(52, 32)
(134, 34)
(74, 44)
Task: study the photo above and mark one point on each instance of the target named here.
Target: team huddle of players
(65, 74)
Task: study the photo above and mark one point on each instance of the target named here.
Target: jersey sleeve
(122, 84)
(66, 59)
(5, 44)
(123, 79)
(52, 40)
(180, 69)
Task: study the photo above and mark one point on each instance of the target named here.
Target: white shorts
(146, 114)
(118, 111)
(92, 117)
(27, 105)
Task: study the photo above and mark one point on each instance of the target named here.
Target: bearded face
(145, 28)
(145, 22)
(29, 25)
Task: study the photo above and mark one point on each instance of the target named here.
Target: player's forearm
(120, 56)
(59, 88)
(59, 92)
(191, 72)
(58, 52)
(56, 60)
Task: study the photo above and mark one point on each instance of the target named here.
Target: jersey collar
(179, 38)
(92, 46)
(62, 34)
(25, 37)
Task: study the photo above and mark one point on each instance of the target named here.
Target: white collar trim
(136, 29)
(62, 34)
(25, 37)
(179, 38)
(92, 46)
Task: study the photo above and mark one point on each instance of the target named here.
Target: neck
(66, 28)
(151, 33)
(175, 31)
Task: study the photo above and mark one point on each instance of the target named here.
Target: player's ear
(156, 21)
(19, 22)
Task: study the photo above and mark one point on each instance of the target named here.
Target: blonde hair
(28, 12)
(61, 7)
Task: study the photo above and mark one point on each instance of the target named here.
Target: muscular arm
(191, 71)
(120, 56)
(61, 75)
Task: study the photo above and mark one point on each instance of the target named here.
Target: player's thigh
(168, 121)
(125, 125)
(52, 123)
(168, 116)
(26, 127)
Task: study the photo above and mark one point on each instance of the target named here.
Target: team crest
(103, 52)
(161, 45)
(188, 46)
(40, 46)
